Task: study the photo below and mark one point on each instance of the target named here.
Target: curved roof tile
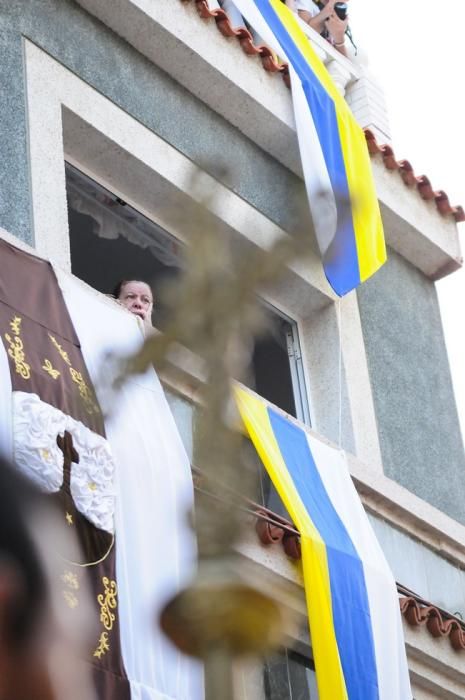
(407, 173)
(421, 182)
(273, 529)
(438, 622)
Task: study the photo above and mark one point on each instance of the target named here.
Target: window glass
(290, 676)
(276, 374)
(270, 365)
(183, 413)
(276, 371)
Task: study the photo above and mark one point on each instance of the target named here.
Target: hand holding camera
(337, 22)
(340, 8)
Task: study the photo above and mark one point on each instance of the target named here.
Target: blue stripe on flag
(341, 259)
(351, 611)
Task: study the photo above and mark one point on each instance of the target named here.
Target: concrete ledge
(214, 68)
(437, 671)
(409, 513)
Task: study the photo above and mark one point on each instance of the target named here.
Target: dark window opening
(111, 241)
(290, 676)
(276, 366)
(270, 365)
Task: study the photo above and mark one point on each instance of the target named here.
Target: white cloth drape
(155, 550)
(233, 13)
(6, 422)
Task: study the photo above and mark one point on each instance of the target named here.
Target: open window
(111, 241)
(277, 375)
(277, 370)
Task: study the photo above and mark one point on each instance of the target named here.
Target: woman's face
(137, 298)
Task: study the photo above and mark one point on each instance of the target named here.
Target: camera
(340, 8)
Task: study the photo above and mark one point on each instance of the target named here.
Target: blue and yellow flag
(334, 154)
(353, 609)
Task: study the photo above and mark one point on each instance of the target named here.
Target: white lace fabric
(36, 426)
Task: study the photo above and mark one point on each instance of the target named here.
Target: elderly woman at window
(137, 297)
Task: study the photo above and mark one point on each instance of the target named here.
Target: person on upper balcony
(327, 17)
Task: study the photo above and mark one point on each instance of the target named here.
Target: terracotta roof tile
(245, 39)
(421, 182)
(273, 529)
(438, 622)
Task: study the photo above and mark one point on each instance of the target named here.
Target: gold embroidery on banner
(15, 325)
(71, 580)
(86, 393)
(71, 599)
(69, 518)
(62, 352)
(107, 602)
(16, 352)
(92, 486)
(103, 646)
(48, 367)
(16, 349)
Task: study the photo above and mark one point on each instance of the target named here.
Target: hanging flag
(334, 154)
(353, 609)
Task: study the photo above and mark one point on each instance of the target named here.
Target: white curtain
(110, 220)
(155, 549)
(6, 423)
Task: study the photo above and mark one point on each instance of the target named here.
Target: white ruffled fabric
(6, 427)
(36, 425)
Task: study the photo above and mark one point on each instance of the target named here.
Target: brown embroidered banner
(46, 364)
(45, 361)
(29, 285)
